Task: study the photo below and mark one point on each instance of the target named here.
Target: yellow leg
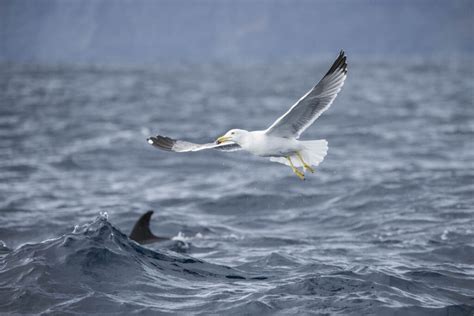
(295, 170)
(305, 165)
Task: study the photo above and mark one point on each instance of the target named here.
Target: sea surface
(384, 227)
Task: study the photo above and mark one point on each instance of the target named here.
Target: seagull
(280, 141)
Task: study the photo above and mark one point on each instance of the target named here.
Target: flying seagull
(280, 141)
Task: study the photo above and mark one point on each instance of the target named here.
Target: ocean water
(384, 227)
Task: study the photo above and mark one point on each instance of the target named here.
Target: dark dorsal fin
(141, 232)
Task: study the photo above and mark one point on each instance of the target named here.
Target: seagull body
(260, 144)
(280, 141)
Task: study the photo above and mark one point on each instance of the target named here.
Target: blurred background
(149, 32)
(384, 226)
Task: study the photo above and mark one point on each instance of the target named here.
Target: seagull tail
(313, 154)
(315, 151)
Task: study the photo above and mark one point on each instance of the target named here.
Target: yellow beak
(223, 139)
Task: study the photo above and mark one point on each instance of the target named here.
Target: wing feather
(304, 112)
(180, 146)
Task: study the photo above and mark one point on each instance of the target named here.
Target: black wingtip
(141, 232)
(161, 142)
(339, 64)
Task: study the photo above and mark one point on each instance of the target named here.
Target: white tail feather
(313, 154)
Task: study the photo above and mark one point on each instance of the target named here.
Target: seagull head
(234, 135)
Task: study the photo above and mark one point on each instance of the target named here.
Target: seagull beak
(223, 139)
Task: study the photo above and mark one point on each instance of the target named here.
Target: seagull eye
(232, 133)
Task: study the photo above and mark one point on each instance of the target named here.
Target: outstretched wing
(181, 146)
(304, 112)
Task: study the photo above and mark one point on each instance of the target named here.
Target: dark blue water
(385, 226)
